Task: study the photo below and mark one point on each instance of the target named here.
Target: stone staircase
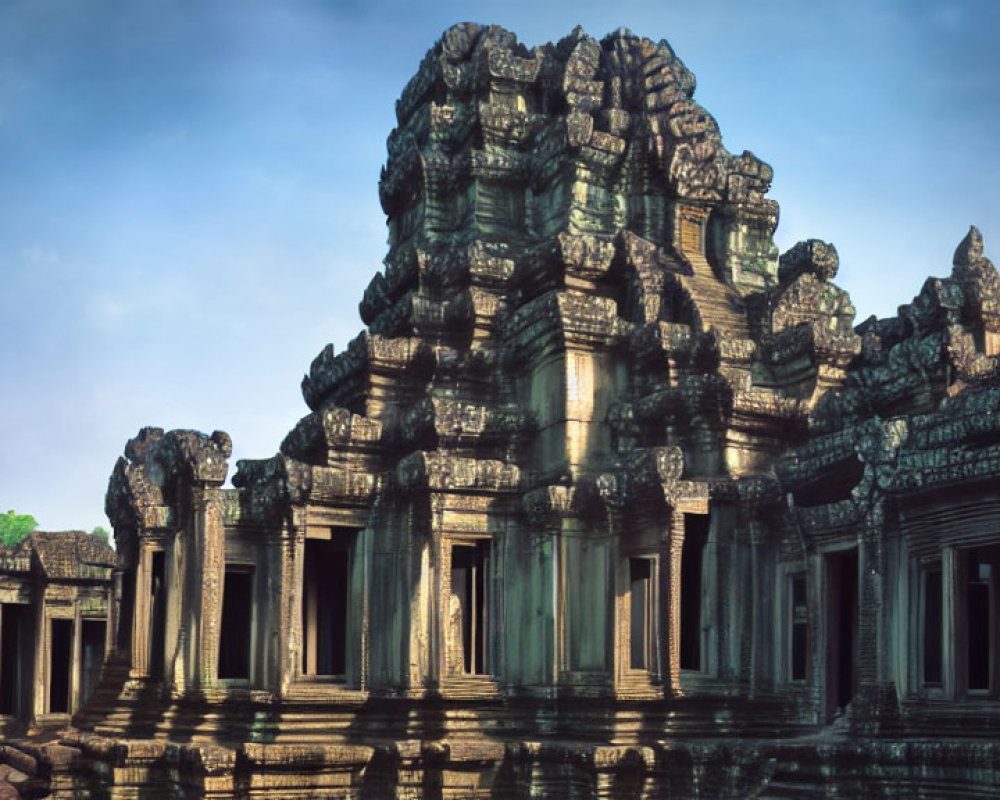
(791, 779)
(719, 306)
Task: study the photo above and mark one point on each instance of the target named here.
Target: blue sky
(189, 207)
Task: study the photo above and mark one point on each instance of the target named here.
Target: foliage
(14, 527)
(102, 533)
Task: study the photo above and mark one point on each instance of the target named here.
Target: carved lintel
(441, 471)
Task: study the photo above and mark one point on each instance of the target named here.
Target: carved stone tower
(606, 500)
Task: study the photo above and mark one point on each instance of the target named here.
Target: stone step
(796, 789)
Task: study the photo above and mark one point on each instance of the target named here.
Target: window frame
(242, 569)
(924, 571)
(791, 616)
(485, 613)
(346, 539)
(651, 627)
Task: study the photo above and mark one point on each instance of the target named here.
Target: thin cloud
(189, 210)
(37, 255)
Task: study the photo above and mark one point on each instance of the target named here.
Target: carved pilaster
(670, 603)
(292, 545)
(209, 541)
(142, 614)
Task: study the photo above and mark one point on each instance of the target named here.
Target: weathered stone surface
(608, 500)
(56, 617)
(812, 256)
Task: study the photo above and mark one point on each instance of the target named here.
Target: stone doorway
(841, 629)
(470, 635)
(14, 652)
(157, 616)
(324, 608)
(692, 586)
(60, 658)
(236, 633)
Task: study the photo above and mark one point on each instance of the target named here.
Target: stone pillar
(76, 658)
(199, 559)
(953, 655)
(759, 638)
(114, 613)
(870, 603)
(876, 697)
(208, 538)
(141, 612)
(289, 633)
(670, 604)
(545, 509)
(40, 674)
(193, 467)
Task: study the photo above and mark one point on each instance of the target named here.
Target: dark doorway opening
(324, 607)
(237, 615)
(157, 615)
(470, 567)
(842, 627)
(981, 618)
(13, 652)
(92, 632)
(692, 561)
(60, 658)
(642, 635)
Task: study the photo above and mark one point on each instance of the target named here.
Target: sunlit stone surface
(608, 500)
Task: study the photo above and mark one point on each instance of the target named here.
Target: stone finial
(270, 486)
(137, 449)
(970, 250)
(813, 255)
(459, 40)
(193, 456)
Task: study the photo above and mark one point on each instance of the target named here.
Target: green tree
(14, 527)
(102, 533)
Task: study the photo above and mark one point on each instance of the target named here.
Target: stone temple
(608, 499)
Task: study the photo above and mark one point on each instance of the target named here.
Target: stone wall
(607, 500)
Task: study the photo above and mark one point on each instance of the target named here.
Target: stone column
(76, 653)
(953, 655)
(194, 467)
(40, 674)
(208, 538)
(757, 651)
(114, 613)
(670, 604)
(141, 612)
(876, 700)
(545, 510)
(289, 633)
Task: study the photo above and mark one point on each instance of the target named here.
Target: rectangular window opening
(157, 615)
(696, 528)
(799, 622)
(469, 612)
(60, 657)
(237, 617)
(92, 633)
(642, 636)
(932, 619)
(324, 606)
(980, 618)
(126, 610)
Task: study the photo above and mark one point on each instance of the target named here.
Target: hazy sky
(189, 207)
